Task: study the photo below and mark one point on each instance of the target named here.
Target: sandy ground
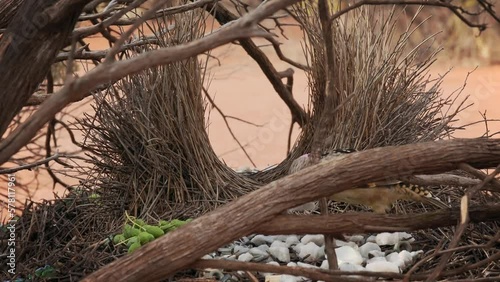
(241, 90)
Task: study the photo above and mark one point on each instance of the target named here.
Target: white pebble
(372, 239)
(292, 240)
(245, 257)
(289, 278)
(340, 243)
(357, 239)
(278, 244)
(281, 238)
(367, 248)
(280, 253)
(291, 264)
(324, 265)
(297, 247)
(311, 252)
(386, 238)
(240, 249)
(416, 254)
(316, 239)
(207, 257)
(257, 252)
(395, 259)
(376, 259)
(406, 237)
(348, 254)
(375, 253)
(306, 265)
(406, 257)
(263, 248)
(346, 266)
(382, 266)
(261, 239)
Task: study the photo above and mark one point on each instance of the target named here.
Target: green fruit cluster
(137, 233)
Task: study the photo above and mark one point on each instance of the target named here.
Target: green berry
(118, 239)
(134, 247)
(154, 230)
(140, 222)
(132, 241)
(129, 231)
(145, 237)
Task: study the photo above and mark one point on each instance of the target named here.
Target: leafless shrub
(384, 95)
(149, 139)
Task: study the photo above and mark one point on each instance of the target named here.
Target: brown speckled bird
(378, 196)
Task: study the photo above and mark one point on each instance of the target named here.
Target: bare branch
(456, 9)
(314, 274)
(464, 221)
(479, 174)
(224, 16)
(224, 117)
(354, 223)
(31, 165)
(105, 73)
(180, 248)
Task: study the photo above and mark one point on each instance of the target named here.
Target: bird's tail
(423, 195)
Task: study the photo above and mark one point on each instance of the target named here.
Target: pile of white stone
(384, 252)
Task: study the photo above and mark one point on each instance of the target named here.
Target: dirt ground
(240, 89)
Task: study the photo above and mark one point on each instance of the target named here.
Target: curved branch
(182, 247)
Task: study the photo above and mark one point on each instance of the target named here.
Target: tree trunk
(29, 46)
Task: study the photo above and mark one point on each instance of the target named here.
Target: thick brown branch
(28, 48)
(8, 9)
(182, 247)
(371, 222)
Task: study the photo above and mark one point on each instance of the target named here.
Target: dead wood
(224, 16)
(315, 274)
(180, 248)
(28, 48)
(453, 180)
(8, 9)
(371, 222)
(75, 89)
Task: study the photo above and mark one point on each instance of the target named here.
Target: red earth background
(240, 89)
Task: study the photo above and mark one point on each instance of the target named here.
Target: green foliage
(136, 232)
